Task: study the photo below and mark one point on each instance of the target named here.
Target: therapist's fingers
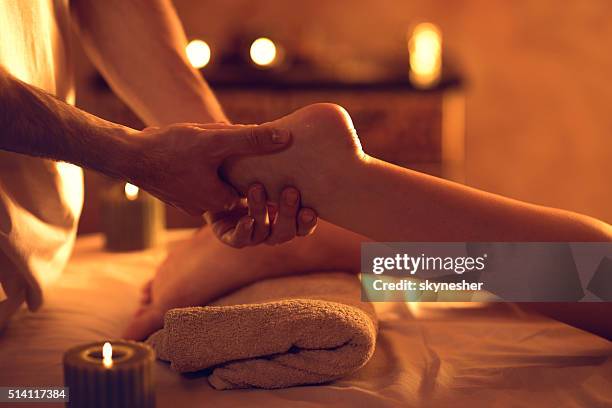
(146, 321)
(223, 223)
(240, 236)
(258, 210)
(284, 227)
(306, 222)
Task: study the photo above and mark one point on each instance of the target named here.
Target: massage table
(433, 355)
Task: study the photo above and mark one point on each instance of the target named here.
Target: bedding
(275, 333)
(426, 355)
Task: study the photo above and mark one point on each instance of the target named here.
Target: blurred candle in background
(131, 219)
(263, 52)
(198, 53)
(425, 48)
(131, 191)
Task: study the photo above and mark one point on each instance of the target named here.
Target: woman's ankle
(320, 162)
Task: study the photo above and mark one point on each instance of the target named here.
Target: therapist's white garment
(40, 200)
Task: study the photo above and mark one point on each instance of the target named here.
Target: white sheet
(425, 357)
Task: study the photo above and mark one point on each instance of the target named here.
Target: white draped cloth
(40, 200)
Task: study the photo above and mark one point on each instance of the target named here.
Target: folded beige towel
(277, 333)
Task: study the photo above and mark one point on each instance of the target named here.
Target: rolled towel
(306, 329)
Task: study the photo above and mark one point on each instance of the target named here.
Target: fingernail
(257, 194)
(291, 197)
(307, 216)
(280, 136)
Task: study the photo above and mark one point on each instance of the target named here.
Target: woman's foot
(324, 146)
(201, 269)
(195, 272)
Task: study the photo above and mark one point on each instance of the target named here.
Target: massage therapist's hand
(256, 221)
(179, 163)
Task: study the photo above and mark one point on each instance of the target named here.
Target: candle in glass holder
(132, 219)
(117, 374)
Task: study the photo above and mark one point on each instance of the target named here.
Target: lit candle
(264, 53)
(131, 191)
(425, 48)
(117, 374)
(198, 53)
(107, 355)
(131, 219)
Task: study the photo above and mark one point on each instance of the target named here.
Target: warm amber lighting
(425, 47)
(198, 53)
(131, 191)
(263, 51)
(107, 355)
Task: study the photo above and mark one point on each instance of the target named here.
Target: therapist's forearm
(139, 46)
(35, 123)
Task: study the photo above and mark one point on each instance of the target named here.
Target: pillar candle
(132, 219)
(113, 374)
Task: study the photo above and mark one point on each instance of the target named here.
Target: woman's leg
(391, 203)
(202, 269)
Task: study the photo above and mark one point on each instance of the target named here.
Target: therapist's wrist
(120, 153)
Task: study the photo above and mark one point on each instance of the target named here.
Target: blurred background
(522, 102)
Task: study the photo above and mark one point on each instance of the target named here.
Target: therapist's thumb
(249, 140)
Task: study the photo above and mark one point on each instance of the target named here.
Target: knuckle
(288, 208)
(258, 208)
(253, 139)
(259, 214)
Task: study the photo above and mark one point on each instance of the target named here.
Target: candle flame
(425, 46)
(107, 355)
(131, 191)
(263, 51)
